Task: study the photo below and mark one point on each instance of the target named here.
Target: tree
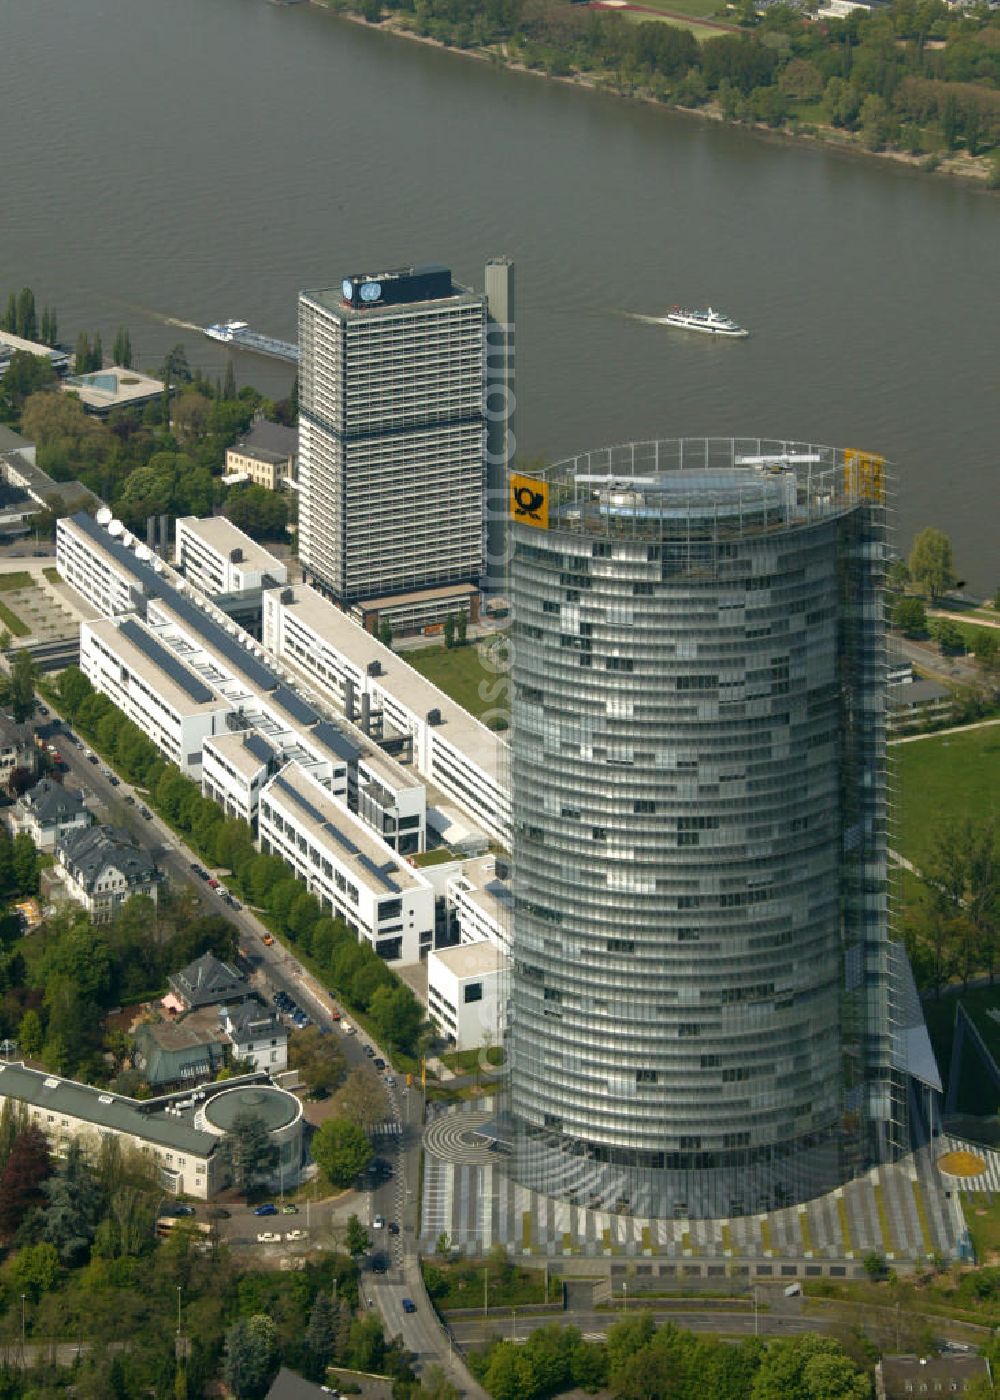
(9, 322)
(74, 1208)
(356, 1240)
(461, 627)
(435, 1385)
(175, 368)
(26, 375)
(909, 616)
(29, 1035)
(27, 1167)
(250, 1356)
(510, 1374)
(229, 383)
(341, 1151)
(321, 1335)
(385, 633)
(27, 323)
(449, 631)
(25, 864)
(948, 636)
(318, 1059)
(121, 352)
(81, 357)
(361, 1099)
(931, 565)
(396, 1015)
(795, 1368)
(249, 1149)
(35, 1270)
(97, 353)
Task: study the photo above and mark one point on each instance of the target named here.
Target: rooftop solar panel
(295, 705)
(336, 741)
(259, 747)
(166, 661)
(217, 639)
(379, 873)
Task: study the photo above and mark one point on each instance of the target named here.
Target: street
(394, 1198)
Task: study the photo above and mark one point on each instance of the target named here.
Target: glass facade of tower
(701, 1018)
(391, 441)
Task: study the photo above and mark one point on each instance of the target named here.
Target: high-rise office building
(391, 443)
(703, 1009)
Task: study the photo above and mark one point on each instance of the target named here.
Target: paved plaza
(907, 1212)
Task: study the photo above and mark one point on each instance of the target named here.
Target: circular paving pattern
(961, 1164)
(454, 1137)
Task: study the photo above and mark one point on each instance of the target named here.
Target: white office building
(217, 558)
(124, 660)
(95, 564)
(377, 690)
(392, 801)
(352, 872)
(465, 994)
(479, 895)
(392, 435)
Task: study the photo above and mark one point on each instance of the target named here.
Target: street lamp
(624, 1296)
(756, 1320)
(179, 1286)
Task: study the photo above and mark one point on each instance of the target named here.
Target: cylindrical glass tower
(700, 1014)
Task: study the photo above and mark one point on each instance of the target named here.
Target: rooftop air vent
(374, 668)
(434, 716)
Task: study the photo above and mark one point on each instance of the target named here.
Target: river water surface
(196, 160)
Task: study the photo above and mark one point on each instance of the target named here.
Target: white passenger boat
(707, 322)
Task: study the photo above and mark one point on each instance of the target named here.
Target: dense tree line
(20, 317)
(58, 984)
(640, 1361)
(351, 968)
(83, 1262)
(915, 75)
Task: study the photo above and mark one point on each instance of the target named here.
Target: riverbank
(957, 164)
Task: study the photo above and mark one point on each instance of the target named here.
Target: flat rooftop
(386, 770)
(472, 959)
(489, 892)
(409, 687)
(163, 670)
(424, 595)
(105, 389)
(236, 749)
(148, 1119)
(341, 832)
(223, 536)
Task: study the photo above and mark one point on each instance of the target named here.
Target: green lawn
(983, 1219)
(948, 775)
(52, 575)
(12, 622)
(700, 31)
(462, 673)
(697, 9)
(439, 856)
(10, 583)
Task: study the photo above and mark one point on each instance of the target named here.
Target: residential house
(207, 982)
(185, 1051)
(101, 867)
(267, 455)
(17, 748)
(927, 1377)
(47, 812)
(256, 1035)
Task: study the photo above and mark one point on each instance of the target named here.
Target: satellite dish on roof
(128, 539)
(105, 515)
(143, 551)
(158, 566)
(116, 528)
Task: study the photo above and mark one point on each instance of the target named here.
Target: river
(204, 159)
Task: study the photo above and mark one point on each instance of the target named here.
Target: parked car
(379, 1063)
(268, 1208)
(114, 781)
(393, 1227)
(289, 1208)
(92, 758)
(292, 1235)
(213, 884)
(130, 799)
(347, 1028)
(267, 940)
(409, 1306)
(176, 1211)
(235, 904)
(145, 813)
(368, 1051)
(269, 1237)
(378, 1223)
(379, 1263)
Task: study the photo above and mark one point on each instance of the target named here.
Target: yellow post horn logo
(529, 501)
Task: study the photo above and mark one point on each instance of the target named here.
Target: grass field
(462, 673)
(949, 775)
(52, 575)
(12, 622)
(697, 9)
(983, 1219)
(10, 583)
(700, 31)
